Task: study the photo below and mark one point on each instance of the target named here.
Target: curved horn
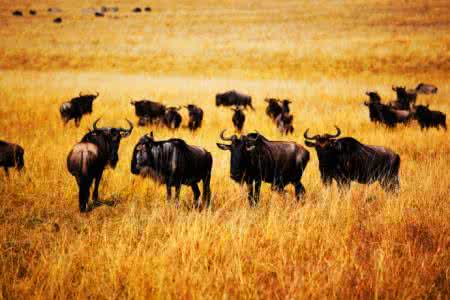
(337, 133)
(224, 137)
(97, 94)
(127, 132)
(95, 124)
(305, 135)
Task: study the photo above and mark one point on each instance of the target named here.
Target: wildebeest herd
(254, 158)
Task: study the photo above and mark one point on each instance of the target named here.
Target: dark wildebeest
(137, 10)
(374, 97)
(11, 156)
(195, 116)
(32, 12)
(85, 102)
(238, 118)
(255, 159)
(172, 118)
(69, 111)
(57, 20)
(425, 88)
(148, 9)
(234, 98)
(17, 13)
(273, 109)
(284, 123)
(429, 118)
(174, 163)
(152, 111)
(89, 158)
(285, 105)
(388, 115)
(346, 160)
(405, 98)
(99, 14)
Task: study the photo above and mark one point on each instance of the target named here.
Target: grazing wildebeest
(238, 118)
(174, 163)
(32, 12)
(69, 111)
(85, 102)
(195, 116)
(387, 115)
(172, 118)
(234, 98)
(346, 160)
(404, 98)
(11, 156)
(137, 10)
(429, 118)
(374, 97)
(148, 9)
(255, 159)
(17, 13)
(284, 123)
(88, 159)
(425, 88)
(152, 111)
(57, 20)
(273, 109)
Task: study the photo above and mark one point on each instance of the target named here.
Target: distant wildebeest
(11, 156)
(195, 116)
(105, 9)
(388, 115)
(285, 105)
(373, 104)
(284, 123)
(172, 118)
(32, 12)
(255, 159)
(17, 13)
(424, 88)
(57, 20)
(150, 110)
(238, 118)
(405, 98)
(89, 158)
(99, 14)
(137, 10)
(234, 98)
(346, 160)
(273, 109)
(85, 102)
(77, 107)
(429, 118)
(148, 9)
(174, 163)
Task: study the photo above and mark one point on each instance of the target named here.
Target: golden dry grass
(323, 55)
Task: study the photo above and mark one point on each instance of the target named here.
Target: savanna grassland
(323, 55)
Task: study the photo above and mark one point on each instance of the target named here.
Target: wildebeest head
(240, 158)
(324, 142)
(141, 154)
(110, 136)
(285, 105)
(374, 97)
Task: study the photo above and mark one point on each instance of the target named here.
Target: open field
(323, 55)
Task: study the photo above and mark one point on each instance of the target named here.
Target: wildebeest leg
(299, 190)
(326, 180)
(343, 185)
(169, 192)
(77, 122)
(196, 192)
(84, 185)
(250, 193)
(257, 191)
(206, 197)
(391, 184)
(97, 183)
(177, 194)
(6, 171)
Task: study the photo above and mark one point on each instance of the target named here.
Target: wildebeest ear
(223, 146)
(310, 144)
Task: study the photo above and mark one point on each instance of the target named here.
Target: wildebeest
(405, 98)
(17, 13)
(88, 159)
(11, 156)
(152, 111)
(137, 10)
(255, 159)
(32, 12)
(374, 97)
(429, 118)
(85, 102)
(57, 20)
(284, 123)
(148, 9)
(99, 14)
(346, 160)
(425, 88)
(195, 116)
(285, 105)
(238, 118)
(172, 118)
(387, 115)
(234, 98)
(77, 107)
(174, 163)
(273, 109)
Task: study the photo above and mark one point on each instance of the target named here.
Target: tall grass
(322, 55)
